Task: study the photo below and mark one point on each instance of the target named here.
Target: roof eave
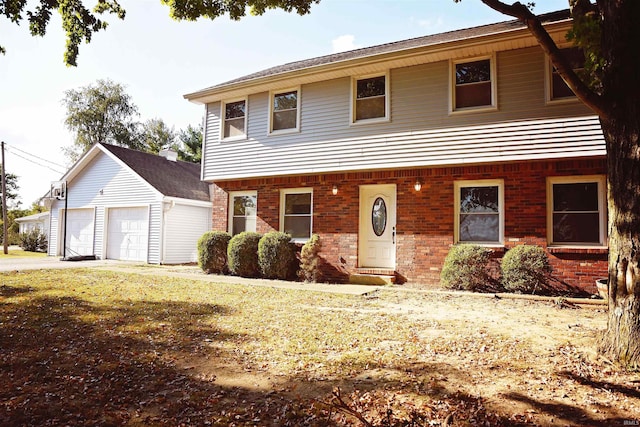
(253, 85)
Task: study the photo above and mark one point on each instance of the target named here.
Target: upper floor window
(370, 98)
(473, 83)
(285, 110)
(242, 211)
(576, 210)
(557, 88)
(296, 212)
(234, 119)
(479, 212)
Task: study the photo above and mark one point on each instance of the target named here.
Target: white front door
(127, 233)
(377, 231)
(79, 232)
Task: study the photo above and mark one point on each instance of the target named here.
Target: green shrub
(242, 254)
(212, 251)
(525, 268)
(34, 241)
(309, 260)
(277, 256)
(465, 267)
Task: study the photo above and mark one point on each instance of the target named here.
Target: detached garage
(117, 203)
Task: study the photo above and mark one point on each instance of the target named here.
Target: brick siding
(425, 219)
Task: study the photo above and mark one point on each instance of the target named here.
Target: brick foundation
(425, 219)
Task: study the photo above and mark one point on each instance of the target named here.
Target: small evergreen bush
(277, 256)
(465, 268)
(525, 268)
(212, 251)
(309, 260)
(242, 254)
(34, 241)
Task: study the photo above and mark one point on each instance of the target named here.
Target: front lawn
(17, 252)
(87, 347)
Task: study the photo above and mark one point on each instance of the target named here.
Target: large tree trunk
(621, 88)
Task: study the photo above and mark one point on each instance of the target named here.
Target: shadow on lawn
(66, 362)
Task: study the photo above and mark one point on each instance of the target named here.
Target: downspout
(166, 207)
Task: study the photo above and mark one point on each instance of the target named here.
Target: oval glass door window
(379, 216)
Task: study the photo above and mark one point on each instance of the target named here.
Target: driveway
(50, 262)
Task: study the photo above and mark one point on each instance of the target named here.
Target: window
(242, 211)
(234, 119)
(370, 98)
(473, 83)
(296, 213)
(479, 212)
(576, 210)
(284, 110)
(558, 89)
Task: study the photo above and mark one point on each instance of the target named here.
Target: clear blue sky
(159, 60)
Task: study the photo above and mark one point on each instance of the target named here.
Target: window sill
(283, 132)
(370, 121)
(235, 138)
(560, 101)
(592, 250)
(472, 110)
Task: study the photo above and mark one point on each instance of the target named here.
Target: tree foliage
(101, 112)
(80, 21)
(189, 145)
(12, 190)
(156, 135)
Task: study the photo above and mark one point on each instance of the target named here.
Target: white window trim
(232, 195)
(601, 180)
(272, 94)
(223, 118)
(387, 99)
(548, 85)
(299, 190)
(457, 185)
(452, 85)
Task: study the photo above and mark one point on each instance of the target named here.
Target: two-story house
(394, 153)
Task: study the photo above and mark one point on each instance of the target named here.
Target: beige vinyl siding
(421, 132)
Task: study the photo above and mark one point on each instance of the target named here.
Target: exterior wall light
(418, 185)
(334, 190)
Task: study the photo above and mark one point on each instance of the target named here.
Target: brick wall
(425, 219)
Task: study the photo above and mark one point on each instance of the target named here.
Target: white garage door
(127, 234)
(79, 226)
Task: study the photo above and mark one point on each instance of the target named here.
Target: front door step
(371, 279)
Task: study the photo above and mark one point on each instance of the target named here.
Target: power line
(36, 163)
(33, 155)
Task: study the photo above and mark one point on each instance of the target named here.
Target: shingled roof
(399, 46)
(171, 178)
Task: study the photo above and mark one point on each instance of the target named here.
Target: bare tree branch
(533, 23)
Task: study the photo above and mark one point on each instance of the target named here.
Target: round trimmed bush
(277, 256)
(242, 254)
(465, 268)
(212, 251)
(525, 268)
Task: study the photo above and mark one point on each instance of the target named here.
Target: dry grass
(85, 347)
(16, 252)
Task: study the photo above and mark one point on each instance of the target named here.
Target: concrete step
(372, 279)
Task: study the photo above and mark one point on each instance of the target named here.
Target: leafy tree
(189, 147)
(12, 191)
(156, 135)
(80, 22)
(607, 33)
(100, 113)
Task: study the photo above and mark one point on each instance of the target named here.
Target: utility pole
(5, 238)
